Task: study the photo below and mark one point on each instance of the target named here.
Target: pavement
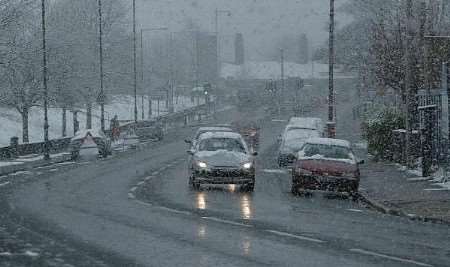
(390, 188)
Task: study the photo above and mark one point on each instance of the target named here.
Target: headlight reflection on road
(201, 231)
(232, 188)
(201, 201)
(246, 244)
(246, 210)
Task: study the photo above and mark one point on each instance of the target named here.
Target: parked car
(221, 158)
(326, 164)
(291, 142)
(150, 130)
(90, 141)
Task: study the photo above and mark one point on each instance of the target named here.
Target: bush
(377, 129)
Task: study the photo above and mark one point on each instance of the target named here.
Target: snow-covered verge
(272, 70)
(120, 105)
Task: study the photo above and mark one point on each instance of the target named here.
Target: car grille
(226, 172)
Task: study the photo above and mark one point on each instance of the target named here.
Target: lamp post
(331, 124)
(101, 97)
(134, 63)
(142, 69)
(44, 78)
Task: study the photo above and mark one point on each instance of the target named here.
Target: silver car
(221, 158)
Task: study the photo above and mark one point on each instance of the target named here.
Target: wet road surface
(139, 207)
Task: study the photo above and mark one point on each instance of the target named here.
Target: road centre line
(155, 173)
(304, 238)
(5, 183)
(140, 183)
(174, 210)
(355, 210)
(226, 221)
(148, 178)
(133, 189)
(370, 253)
(130, 195)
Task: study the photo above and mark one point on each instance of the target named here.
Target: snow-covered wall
(121, 105)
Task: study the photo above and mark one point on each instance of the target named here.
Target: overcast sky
(262, 22)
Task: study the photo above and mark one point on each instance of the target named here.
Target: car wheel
(250, 187)
(74, 156)
(193, 183)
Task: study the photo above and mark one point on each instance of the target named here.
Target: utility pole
(100, 42)
(134, 63)
(44, 79)
(331, 124)
(408, 82)
(281, 94)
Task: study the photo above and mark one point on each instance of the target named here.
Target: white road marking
(140, 183)
(280, 171)
(175, 211)
(277, 120)
(436, 189)
(133, 189)
(418, 179)
(355, 210)
(5, 183)
(366, 252)
(304, 238)
(162, 169)
(226, 221)
(148, 178)
(53, 170)
(130, 195)
(155, 173)
(31, 253)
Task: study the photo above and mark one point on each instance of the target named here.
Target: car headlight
(202, 164)
(247, 165)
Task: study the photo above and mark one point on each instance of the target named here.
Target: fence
(142, 129)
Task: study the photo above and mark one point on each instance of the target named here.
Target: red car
(327, 165)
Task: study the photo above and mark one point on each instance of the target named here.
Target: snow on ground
(272, 70)
(121, 105)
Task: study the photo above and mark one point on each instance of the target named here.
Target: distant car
(326, 164)
(202, 130)
(291, 142)
(306, 123)
(221, 158)
(249, 129)
(150, 130)
(90, 141)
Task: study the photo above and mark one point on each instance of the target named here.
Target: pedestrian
(114, 127)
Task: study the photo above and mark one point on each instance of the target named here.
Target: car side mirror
(187, 141)
(361, 161)
(190, 152)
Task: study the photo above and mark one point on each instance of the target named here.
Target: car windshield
(327, 151)
(297, 133)
(214, 144)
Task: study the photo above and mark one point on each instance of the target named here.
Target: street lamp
(101, 97)
(44, 78)
(331, 124)
(142, 70)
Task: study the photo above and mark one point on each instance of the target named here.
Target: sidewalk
(392, 190)
(24, 163)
